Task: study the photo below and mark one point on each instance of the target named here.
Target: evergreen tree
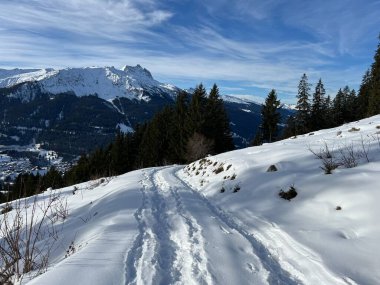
(258, 138)
(178, 132)
(270, 117)
(217, 124)
(303, 105)
(119, 161)
(374, 92)
(351, 108)
(290, 129)
(338, 108)
(154, 147)
(317, 116)
(363, 96)
(197, 110)
(328, 112)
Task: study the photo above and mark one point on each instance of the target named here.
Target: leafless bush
(348, 156)
(329, 164)
(198, 147)
(365, 145)
(323, 152)
(27, 236)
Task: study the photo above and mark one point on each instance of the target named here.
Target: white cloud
(74, 33)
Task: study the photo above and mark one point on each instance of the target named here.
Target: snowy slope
(174, 225)
(107, 82)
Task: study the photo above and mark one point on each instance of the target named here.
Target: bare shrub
(323, 153)
(329, 164)
(348, 157)
(365, 148)
(27, 236)
(198, 146)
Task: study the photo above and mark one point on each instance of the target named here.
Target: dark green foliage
(217, 124)
(363, 96)
(258, 138)
(291, 128)
(318, 108)
(374, 92)
(303, 106)
(179, 135)
(197, 111)
(29, 184)
(270, 117)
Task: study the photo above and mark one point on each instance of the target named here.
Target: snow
(124, 128)
(173, 225)
(104, 82)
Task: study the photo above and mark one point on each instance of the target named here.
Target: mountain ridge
(105, 82)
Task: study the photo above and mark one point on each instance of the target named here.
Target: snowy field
(220, 220)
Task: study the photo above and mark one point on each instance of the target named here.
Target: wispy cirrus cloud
(246, 46)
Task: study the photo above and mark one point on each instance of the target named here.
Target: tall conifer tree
(303, 105)
(317, 115)
(374, 92)
(217, 125)
(270, 117)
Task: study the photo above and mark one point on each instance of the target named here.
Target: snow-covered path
(188, 225)
(184, 239)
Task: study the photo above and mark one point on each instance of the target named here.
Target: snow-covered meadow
(220, 220)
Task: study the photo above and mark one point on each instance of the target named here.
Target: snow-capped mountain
(49, 106)
(131, 82)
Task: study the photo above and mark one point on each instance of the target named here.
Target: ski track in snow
(276, 274)
(185, 239)
(168, 249)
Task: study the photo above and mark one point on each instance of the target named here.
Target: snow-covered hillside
(107, 82)
(220, 220)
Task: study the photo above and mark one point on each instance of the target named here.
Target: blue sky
(246, 47)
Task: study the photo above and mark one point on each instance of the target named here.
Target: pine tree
(363, 96)
(374, 92)
(328, 112)
(270, 117)
(338, 108)
(303, 105)
(217, 125)
(178, 132)
(197, 110)
(351, 106)
(317, 115)
(290, 129)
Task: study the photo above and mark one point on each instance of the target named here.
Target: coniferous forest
(192, 128)
(197, 125)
